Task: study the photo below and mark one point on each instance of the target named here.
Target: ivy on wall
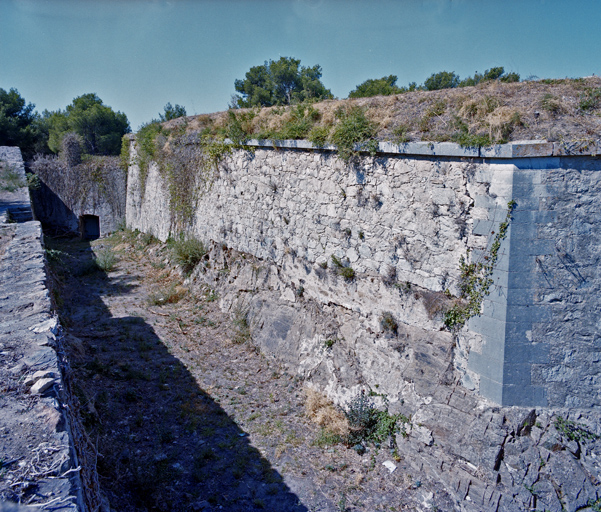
(476, 280)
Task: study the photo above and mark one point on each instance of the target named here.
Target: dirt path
(186, 414)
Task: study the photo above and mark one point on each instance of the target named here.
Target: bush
(389, 323)
(384, 86)
(106, 259)
(319, 136)
(367, 423)
(353, 128)
(442, 80)
(188, 253)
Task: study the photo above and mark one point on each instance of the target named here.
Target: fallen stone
(40, 374)
(41, 385)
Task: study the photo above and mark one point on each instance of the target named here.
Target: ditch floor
(185, 413)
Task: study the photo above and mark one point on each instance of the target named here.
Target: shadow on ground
(163, 443)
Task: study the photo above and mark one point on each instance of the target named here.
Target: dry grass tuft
(321, 411)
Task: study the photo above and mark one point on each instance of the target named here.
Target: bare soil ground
(184, 411)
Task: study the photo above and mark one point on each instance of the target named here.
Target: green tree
(280, 82)
(384, 86)
(172, 112)
(100, 127)
(497, 73)
(442, 80)
(18, 123)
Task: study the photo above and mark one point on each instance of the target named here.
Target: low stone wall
(38, 426)
(402, 220)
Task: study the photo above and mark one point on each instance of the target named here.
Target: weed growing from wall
(389, 323)
(476, 279)
(574, 431)
(342, 270)
(188, 162)
(147, 147)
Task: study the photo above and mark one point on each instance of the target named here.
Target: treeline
(386, 85)
(285, 82)
(98, 127)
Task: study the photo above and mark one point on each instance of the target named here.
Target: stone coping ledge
(516, 149)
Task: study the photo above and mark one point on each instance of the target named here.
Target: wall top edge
(516, 149)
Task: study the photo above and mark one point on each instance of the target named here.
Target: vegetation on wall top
(492, 111)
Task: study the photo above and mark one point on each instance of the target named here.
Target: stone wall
(95, 187)
(540, 324)
(402, 220)
(41, 448)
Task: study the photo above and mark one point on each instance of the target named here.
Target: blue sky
(138, 55)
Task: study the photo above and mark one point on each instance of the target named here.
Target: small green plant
(465, 139)
(10, 179)
(188, 252)
(574, 431)
(342, 503)
(401, 134)
(594, 504)
(590, 100)
(241, 326)
(342, 270)
(389, 323)
(476, 279)
(550, 103)
(368, 423)
(211, 295)
(106, 259)
(329, 343)
(33, 181)
(327, 438)
(55, 255)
